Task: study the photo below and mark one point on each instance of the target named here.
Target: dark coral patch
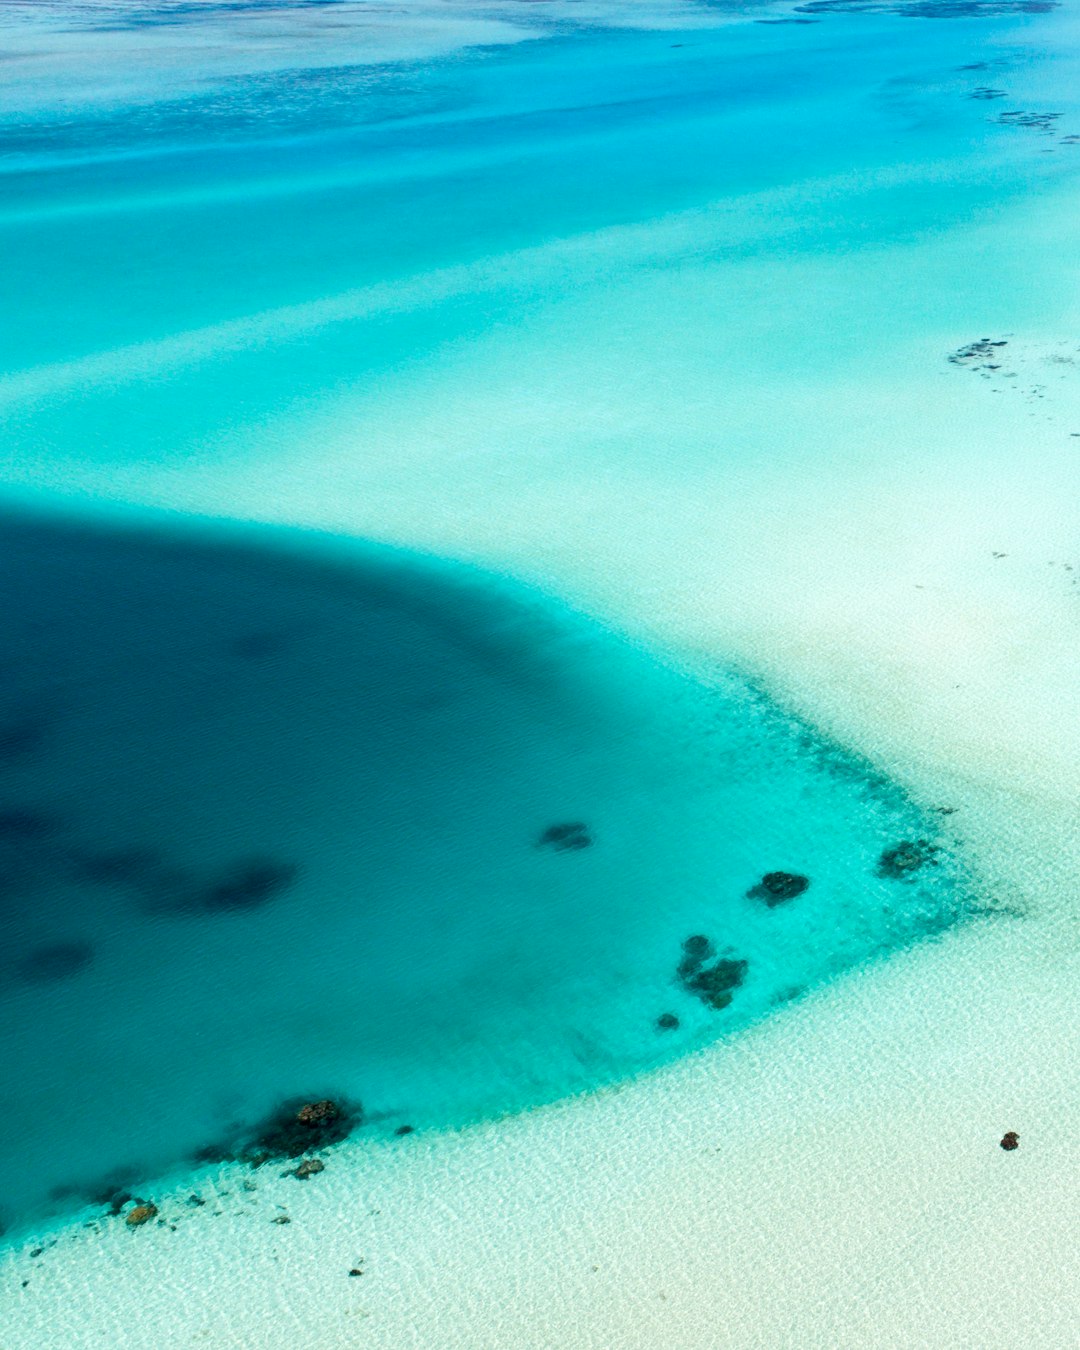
(715, 984)
(56, 961)
(776, 887)
(903, 860)
(295, 1127)
(249, 885)
(667, 1022)
(1010, 1140)
(565, 838)
(696, 951)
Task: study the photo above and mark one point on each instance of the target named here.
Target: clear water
(273, 824)
(274, 803)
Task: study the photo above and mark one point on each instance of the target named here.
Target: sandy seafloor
(669, 345)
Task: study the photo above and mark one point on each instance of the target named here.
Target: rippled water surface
(292, 813)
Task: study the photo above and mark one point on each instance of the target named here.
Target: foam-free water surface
(282, 821)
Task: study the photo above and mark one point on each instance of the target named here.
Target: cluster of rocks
(981, 354)
(1035, 121)
(714, 984)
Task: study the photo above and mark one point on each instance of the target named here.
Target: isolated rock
(565, 838)
(317, 1115)
(141, 1214)
(776, 887)
(903, 860)
(249, 885)
(667, 1022)
(308, 1168)
(1010, 1140)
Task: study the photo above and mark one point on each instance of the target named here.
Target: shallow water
(282, 824)
(273, 804)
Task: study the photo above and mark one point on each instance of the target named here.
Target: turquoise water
(283, 821)
(276, 804)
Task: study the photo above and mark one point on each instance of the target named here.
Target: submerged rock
(250, 885)
(776, 887)
(712, 984)
(289, 1131)
(308, 1168)
(696, 951)
(565, 838)
(316, 1115)
(716, 984)
(667, 1022)
(903, 860)
(1010, 1140)
(57, 961)
(141, 1214)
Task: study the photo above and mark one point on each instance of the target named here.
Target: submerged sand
(898, 568)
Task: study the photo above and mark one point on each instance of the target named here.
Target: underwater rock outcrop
(1010, 1140)
(250, 885)
(776, 887)
(141, 1214)
(903, 860)
(57, 961)
(308, 1168)
(714, 985)
(565, 838)
(291, 1130)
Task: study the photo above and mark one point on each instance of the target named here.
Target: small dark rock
(281, 1218)
(317, 1115)
(1010, 1140)
(667, 1022)
(308, 1168)
(196, 1201)
(776, 887)
(141, 1214)
(565, 838)
(356, 1271)
(903, 860)
(38, 1251)
(403, 1130)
